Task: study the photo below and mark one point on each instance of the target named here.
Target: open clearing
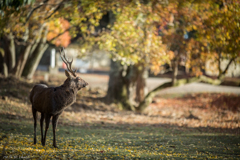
(174, 126)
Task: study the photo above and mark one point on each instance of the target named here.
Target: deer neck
(69, 87)
(64, 96)
(70, 91)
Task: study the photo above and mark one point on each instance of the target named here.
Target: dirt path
(98, 80)
(190, 88)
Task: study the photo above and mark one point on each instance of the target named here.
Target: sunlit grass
(98, 141)
(80, 137)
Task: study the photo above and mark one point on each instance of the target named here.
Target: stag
(51, 101)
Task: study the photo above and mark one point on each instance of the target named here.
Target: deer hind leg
(34, 112)
(47, 121)
(41, 125)
(54, 124)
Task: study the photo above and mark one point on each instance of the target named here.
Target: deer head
(73, 80)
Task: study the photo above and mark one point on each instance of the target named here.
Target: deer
(51, 101)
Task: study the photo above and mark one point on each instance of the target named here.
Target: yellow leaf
(194, 27)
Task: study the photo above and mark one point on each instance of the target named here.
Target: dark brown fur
(51, 101)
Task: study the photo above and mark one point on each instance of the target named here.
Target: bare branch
(59, 34)
(55, 10)
(31, 12)
(229, 63)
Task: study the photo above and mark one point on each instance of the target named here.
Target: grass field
(106, 141)
(88, 133)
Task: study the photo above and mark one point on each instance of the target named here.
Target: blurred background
(171, 61)
(163, 75)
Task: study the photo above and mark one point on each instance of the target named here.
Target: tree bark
(38, 39)
(10, 53)
(126, 85)
(141, 74)
(34, 60)
(36, 56)
(22, 61)
(117, 86)
(4, 67)
(175, 70)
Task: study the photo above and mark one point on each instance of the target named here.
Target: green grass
(108, 141)
(102, 140)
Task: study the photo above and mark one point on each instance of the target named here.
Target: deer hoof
(55, 146)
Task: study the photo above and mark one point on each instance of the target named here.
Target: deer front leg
(47, 121)
(54, 123)
(41, 125)
(34, 112)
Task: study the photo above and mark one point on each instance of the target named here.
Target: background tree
(133, 37)
(133, 43)
(205, 24)
(24, 34)
(26, 30)
(221, 31)
(140, 35)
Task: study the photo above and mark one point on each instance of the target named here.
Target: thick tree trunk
(115, 83)
(10, 54)
(141, 74)
(117, 86)
(38, 39)
(126, 85)
(33, 61)
(4, 68)
(36, 56)
(22, 61)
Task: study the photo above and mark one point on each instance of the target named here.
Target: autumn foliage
(57, 27)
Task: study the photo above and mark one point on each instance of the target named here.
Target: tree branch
(55, 10)
(31, 12)
(229, 63)
(149, 97)
(59, 34)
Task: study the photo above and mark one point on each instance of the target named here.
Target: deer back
(52, 100)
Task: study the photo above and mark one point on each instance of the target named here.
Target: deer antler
(68, 63)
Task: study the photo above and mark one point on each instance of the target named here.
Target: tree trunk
(175, 70)
(22, 61)
(219, 64)
(4, 68)
(117, 86)
(33, 61)
(115, 82)
(141, 74)
(10, 53)
(126, 85)
(36, 56)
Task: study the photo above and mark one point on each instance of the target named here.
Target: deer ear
(67, 74)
